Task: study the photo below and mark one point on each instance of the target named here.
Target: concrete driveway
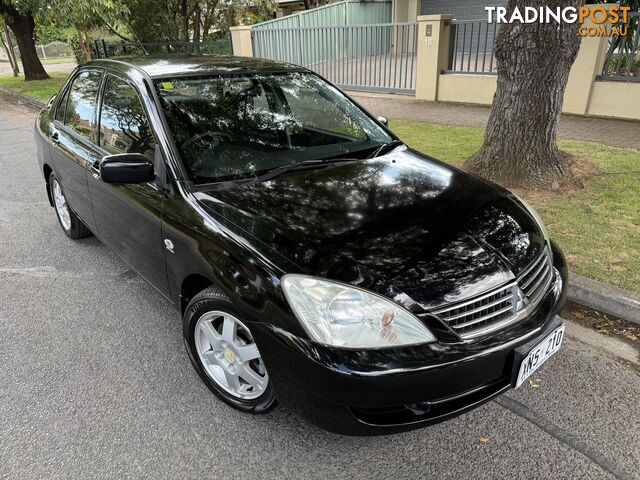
(95, 383)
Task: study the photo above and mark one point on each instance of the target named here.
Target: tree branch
(114, 31)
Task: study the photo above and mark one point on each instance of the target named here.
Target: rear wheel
(69, 221)
(224, 353)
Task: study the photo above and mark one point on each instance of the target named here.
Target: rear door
(72, 134)
(129, 217)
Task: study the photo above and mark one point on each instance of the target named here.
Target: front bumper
(374, 392)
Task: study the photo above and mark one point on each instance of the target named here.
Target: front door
(72, 149)
(129, 217)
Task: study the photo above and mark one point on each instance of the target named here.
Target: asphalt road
(94, 382)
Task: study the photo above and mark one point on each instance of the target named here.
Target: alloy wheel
(61, 206)
(230, 356)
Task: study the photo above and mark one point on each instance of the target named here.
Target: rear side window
(62, 106)
(82, 102)
(124, 127)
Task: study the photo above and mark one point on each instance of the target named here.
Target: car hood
(404, 225)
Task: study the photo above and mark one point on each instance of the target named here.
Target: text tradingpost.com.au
(606, 20)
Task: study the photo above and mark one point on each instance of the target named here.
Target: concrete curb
(20, 98)
(604, 298)
(614, 347)
(599, 296)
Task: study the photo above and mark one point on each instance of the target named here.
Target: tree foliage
(154, 20)
(84, 16)
(309, 4)
(136, 20)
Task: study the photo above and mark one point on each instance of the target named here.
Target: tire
(69, 221)
(218, 361)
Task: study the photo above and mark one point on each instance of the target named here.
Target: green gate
(353, 44)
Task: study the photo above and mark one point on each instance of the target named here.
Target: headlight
(344, 316)
(536, 217)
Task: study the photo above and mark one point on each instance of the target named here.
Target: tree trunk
(83, 38)
(8, 47)
(533, 62)
(185, 21)
(197, 19)
(22, 27)
(209, 18)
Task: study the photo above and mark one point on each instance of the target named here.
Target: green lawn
(598, 227)
(39, 89)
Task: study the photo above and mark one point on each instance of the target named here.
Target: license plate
(540, 354)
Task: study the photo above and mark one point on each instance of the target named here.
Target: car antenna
(140, 43)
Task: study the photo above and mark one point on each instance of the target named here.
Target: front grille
(496, 306)
(536, 277)
(499, 307)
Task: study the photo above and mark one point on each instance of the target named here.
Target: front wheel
(69, 221)
(224, 353)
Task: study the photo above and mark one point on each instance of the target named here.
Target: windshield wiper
(384, 148)
(270, 174)
(292, 167)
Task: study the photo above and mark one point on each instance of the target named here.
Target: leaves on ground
(602, 323)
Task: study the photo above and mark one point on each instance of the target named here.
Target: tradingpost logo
(607, 21)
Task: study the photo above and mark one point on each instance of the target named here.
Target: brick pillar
(588, 64)
(241, 40)
(433, 54)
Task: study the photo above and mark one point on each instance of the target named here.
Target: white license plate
(540, 354)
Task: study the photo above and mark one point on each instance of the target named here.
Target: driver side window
(124, 127)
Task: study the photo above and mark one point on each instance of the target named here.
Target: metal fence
(378, 57)
(471, 47)
(622, 62)
(50, 50)
(102, 49)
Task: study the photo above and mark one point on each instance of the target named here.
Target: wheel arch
(191, 286)
(47, 171)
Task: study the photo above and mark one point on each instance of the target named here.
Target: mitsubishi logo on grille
(521, 299)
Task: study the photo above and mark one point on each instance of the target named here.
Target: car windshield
(235, 127)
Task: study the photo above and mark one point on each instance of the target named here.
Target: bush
(624, 61)
(46, 33)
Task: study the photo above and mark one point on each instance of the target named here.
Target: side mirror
(384, 121)
(126, 168)
(50, 102)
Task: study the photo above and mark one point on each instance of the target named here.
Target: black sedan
(316, 260)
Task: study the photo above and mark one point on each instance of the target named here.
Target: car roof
(164, 66)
